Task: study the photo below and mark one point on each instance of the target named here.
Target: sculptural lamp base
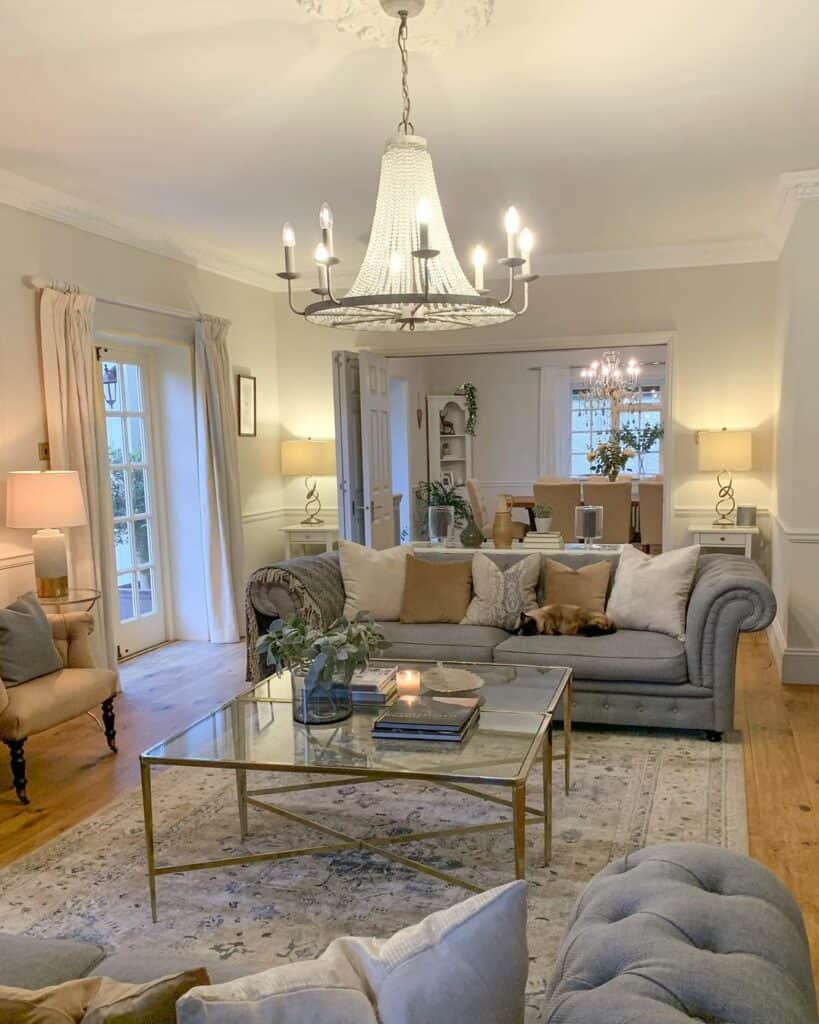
(312, 505)
(726, 504)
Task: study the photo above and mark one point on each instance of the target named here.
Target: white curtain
(76, 437)
(218, 460)
(555, 415)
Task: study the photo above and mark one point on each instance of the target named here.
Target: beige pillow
(57, 1004)
(502, 594)
(373, 580)
(652, 593)
(586, 587)
(436, 591)
(118, 1002)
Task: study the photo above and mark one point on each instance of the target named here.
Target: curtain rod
(39, 283)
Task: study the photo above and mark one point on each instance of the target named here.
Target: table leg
(241, 795)
(567, 736)
(148, 814)
(519, 827)
(547, 797)
(288, 548)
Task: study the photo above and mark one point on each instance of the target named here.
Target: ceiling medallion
(410, 278)
(446, 26)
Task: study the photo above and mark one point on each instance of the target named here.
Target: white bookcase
(448, 452)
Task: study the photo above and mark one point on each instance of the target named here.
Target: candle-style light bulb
(511, 223)
(479, 262)
(423, 213)
(289, 243)
(526, 242)
(326, 225)
(321, 255)
(395, 263)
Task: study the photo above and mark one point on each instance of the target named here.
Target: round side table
(77, 598)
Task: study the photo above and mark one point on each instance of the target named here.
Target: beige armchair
(42, 703)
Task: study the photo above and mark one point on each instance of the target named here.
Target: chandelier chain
(406, 125)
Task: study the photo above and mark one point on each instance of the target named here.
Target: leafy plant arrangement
(321, 656)
(431, 493)
(642, 440)
(610, 458)
(542, 511)
(470, 393)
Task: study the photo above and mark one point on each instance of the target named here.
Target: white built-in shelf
(446, 437)
(452, 458)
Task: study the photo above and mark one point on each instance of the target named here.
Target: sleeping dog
(564, 620)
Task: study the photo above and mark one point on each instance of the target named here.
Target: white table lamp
(724, 452)
(309, 458)
(44, 501)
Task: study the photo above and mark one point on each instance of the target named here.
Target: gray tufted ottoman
(684, 932)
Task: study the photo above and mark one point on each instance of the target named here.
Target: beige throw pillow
(436, 591)
(57, 1004)
(373, 580)
(586, 587)
(502, 594)
(652, 593)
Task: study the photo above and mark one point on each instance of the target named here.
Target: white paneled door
(375, 446)
(349, 472)
(124, 378)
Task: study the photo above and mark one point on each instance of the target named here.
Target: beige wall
(34, 245)
(722, 324)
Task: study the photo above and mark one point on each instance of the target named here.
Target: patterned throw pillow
(501, 595)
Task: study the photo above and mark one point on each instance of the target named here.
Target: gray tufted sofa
(684, 932)
(630, 678)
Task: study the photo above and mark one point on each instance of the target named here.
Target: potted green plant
(321, 662)
(543, 518)
(641, 440)
(445, 509)
(609, 458)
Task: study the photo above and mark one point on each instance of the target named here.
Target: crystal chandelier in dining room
(410, 278)
(608, 380)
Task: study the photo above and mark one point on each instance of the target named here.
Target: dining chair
(651, 513)
(615, 499)
(564, 498)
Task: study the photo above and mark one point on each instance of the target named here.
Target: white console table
(738, 539)
(301, 535)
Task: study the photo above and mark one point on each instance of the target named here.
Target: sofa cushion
(585, 586)
(141, 965)
(150, 1002)
(436, 592)
(627, 655)
(50, 700)
(652, 592)
(438, 641)
(26, 646)
(501, 594)
(37, 963)
(56, 1004)
(373, 580)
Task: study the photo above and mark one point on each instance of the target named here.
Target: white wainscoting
(796, 569)
(16, 575)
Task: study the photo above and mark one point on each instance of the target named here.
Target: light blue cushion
(26, 646)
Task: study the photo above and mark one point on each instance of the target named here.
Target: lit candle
(326, 224)
(512, 224)
(321, 256)
(289, 243)
(423, 212)
(408, 682)
(479, 262)
(526, 242)
(395, 264)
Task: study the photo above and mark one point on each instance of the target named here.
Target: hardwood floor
(72, 775)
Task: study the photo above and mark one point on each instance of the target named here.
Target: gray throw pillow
(26, 646)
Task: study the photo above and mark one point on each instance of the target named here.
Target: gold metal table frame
(542, 743)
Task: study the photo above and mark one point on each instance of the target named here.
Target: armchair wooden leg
(18, 768)
(108, 723)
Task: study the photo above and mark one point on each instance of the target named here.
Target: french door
(139, 614)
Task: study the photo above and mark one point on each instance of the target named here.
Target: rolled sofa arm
(70, 632)
(311, 587)
(730, 596)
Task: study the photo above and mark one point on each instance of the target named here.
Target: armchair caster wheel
(712, 736)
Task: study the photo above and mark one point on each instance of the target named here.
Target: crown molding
(792, 189)
(146, 235)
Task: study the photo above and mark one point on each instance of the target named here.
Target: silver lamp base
(312, 505)
(725, 505)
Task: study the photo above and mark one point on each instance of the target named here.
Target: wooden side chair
(616, 501)
(42, 703)
(651, 513)
(564, 497)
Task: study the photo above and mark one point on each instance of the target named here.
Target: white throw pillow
(501, 595)
(310, 992)
(465, 965)
(373, 580)
(652, 593)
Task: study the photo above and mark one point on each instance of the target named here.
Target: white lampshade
(724, 449)
(308, 458)
(44, 500)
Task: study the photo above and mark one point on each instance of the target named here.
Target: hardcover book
(428, 714)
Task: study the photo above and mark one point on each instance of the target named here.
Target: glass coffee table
(255, 732)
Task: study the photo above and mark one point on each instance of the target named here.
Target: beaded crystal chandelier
(607, 380)
(410, 278)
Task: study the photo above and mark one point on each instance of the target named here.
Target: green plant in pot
(543, 518)
(321, 663)
(445, 509)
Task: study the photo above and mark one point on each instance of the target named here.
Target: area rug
(629, 789)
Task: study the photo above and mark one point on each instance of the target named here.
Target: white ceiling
(613, 126)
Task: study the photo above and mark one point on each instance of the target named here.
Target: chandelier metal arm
(290, 278)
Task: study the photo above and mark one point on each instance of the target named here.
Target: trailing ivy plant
(470, 393)
(321, 656)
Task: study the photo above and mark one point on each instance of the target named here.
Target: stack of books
(552, 541)
(447, 719)
(374, 686)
